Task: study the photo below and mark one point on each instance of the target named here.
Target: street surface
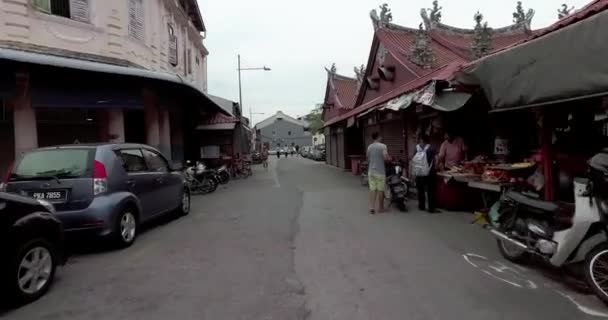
(296, 242)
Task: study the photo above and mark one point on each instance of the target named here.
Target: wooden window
(189, 62)
(172, 46)
(74, 9)
(136, 19)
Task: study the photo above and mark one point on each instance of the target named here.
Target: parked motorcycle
(223, 174)
(199, 179)
(397, 186)
(558, 233)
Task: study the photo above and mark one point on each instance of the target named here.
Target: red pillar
(24, 116)
(151, 116)
(547, 158)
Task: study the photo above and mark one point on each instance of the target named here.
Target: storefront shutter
(334, 150)
(136, 19)
(340, 150)
(369, 130)
(393, 137)
(79, 10)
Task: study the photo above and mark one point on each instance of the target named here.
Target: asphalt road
(296, 242)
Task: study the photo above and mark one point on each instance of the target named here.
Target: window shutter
(136, 19)
(42, 5)
(79, 10)
(173, 50)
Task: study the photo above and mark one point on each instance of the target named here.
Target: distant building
(281, 130)
(318, 139)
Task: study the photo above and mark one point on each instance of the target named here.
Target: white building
(82, 69)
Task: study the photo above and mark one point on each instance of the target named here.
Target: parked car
(106, 190)
(272, 151)
(31, 247)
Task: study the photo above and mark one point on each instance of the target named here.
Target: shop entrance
(135, 126)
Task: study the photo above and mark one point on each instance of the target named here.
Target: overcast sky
(298, 38)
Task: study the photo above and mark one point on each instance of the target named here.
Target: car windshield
(57, 163)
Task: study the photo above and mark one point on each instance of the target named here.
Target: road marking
(500, 267)
(500, 271)
(582, 308)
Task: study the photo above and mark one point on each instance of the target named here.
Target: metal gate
(393, 136)
(328, 147)
(341, 156)
(369, 130)
(334, 150)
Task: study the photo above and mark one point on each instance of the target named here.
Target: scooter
(557, 233)
(398, 186)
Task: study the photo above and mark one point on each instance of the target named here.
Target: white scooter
(525, 226)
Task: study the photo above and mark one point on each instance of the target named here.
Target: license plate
(50, 195)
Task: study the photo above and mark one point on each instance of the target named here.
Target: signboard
(210, 152)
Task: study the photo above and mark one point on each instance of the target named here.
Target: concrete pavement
(296, 242)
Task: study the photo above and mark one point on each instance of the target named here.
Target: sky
(297, 39)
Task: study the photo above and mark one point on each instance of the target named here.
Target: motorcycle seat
(546, 206)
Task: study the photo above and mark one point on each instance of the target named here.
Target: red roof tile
(218, 118)
(346, 89)
(441, 73)
(451, 47)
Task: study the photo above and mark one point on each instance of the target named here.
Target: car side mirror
(176, 166)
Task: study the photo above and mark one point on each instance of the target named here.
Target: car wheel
(33, 270)
(184, 205)
(126, 228)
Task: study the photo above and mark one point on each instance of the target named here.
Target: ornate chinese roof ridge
(342, 90)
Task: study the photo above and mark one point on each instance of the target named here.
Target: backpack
(420, 164)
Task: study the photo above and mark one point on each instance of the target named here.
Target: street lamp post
(264, 68)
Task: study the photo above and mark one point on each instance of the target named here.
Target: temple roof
(341, 90)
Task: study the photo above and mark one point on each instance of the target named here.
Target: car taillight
(100, 178)
(5, 178)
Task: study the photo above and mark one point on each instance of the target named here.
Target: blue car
(106, 190)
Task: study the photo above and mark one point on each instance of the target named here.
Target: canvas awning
(566, 63)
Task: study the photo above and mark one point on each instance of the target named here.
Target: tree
(315, 122)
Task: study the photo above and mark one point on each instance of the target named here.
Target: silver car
(104, 189)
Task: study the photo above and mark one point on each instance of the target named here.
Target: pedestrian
(423, 165)
(265, 158)
(377, 154)
(297, 150)
(452, 151)
(279, 153)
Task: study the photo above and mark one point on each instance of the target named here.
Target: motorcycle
(559, 234)
(199, 179)
(223, 175)
(397, 186)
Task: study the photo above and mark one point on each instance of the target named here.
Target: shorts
(377, 182)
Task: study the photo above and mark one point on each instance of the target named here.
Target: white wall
(106, 35)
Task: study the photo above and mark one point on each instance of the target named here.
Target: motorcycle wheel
(388, 193)
(364, 179)
(511, 252)
(596, 271)
(224, 177)
(402, 205)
